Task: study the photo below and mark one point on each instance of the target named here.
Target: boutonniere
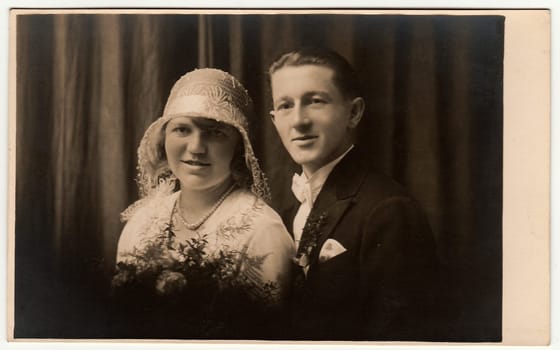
(309, 239)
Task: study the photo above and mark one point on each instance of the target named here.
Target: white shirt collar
(319, 177)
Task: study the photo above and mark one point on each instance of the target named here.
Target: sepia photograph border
(526, 170)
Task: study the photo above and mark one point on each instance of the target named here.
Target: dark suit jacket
(384, 285)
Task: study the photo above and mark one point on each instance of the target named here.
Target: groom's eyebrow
(281, 98)
(313, 93)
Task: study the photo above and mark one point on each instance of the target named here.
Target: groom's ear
(356, 111)
(272, 115)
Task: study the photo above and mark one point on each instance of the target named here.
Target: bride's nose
(197, 143)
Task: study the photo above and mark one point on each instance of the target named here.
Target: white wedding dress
(243, 223)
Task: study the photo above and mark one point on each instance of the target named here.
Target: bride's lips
(196, 163)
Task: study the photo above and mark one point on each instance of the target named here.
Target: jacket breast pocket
(337, 276)
(342, 257)
(340, 267)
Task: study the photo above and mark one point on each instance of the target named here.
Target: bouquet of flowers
(180, 290)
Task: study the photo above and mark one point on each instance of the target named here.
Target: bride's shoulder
(149, 207)
(268, 230)
(245, 201)
(145, 218)
(265, 221)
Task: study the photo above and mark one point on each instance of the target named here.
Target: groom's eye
(317, 100)
(283, 106)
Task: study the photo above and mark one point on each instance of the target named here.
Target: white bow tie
(301, 189)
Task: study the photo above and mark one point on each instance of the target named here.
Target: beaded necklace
(202, 220)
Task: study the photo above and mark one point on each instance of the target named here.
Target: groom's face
(311, 115)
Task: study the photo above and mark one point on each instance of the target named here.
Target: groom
(366, 259)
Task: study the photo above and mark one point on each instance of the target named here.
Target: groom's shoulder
(369, 182)
(382, 186)
(357, 177)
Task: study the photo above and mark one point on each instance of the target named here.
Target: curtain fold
(71, 131)
(89, 85)
(109, 107)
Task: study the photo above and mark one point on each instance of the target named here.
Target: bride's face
(199, 151)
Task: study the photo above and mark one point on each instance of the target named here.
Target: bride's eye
(217, 132)
(180, 130)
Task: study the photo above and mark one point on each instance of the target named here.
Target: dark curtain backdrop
(89, 85)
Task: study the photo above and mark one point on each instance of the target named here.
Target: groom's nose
(300, 118)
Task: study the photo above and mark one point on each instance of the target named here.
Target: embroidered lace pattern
(229, 237)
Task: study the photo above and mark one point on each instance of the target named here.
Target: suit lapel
(288, 216)
(336, 196)
(333, 213)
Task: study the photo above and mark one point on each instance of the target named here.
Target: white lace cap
(209, 93)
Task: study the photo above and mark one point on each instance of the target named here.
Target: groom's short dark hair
(345, 76)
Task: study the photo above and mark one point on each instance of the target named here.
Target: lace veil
(208, 93)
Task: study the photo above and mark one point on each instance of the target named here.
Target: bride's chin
(203, 185)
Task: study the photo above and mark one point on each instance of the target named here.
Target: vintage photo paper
(457, 111)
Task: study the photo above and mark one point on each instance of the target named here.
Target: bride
(202, 255)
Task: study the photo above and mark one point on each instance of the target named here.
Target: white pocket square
(330, 249)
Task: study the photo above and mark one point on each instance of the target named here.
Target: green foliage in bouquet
(178, 290)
